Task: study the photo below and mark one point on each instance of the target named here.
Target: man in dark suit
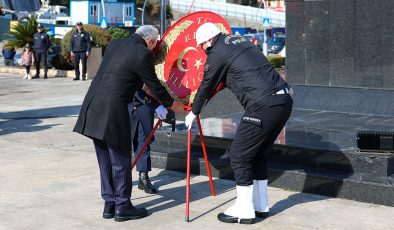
(126, 66)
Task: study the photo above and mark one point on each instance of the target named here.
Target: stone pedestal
(94, 61)
(361, 176)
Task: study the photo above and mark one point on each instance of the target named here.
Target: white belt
(285, 91)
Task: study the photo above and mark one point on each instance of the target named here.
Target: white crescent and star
(179, 63)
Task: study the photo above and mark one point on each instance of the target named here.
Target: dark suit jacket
(143, 111)
(126, 65)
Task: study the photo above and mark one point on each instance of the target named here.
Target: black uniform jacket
(126, 65)
(41, 42)
(144, 107)
(244, 70)
(80, 42)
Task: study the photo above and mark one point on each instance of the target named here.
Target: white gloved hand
(189, 120)
(161, 112)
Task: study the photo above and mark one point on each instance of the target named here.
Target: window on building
(128, 11)
(93, 10)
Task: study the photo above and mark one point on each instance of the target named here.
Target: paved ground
(49, 176)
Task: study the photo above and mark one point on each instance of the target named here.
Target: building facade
(113, 12)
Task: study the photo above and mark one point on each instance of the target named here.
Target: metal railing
(277, 19)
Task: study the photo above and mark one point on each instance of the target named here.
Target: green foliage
(117, 33)
(22, 33)
(99, 37)
(277, 61)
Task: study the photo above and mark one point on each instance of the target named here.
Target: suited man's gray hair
(147, 32)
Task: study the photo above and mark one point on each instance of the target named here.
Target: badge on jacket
(252, 120)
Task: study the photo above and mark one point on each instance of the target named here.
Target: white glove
(189, 120)
(161, 112)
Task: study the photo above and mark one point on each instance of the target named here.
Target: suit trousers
(254, 138)
(144, 163)
(115, 174)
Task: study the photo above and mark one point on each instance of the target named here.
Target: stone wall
(340, 43)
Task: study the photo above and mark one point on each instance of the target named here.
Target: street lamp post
(162, 17)
(143, 12)
(265, 52)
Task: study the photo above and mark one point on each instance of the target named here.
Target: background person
(80, 49)
(8, 54)
(27, 59)
(41, 43)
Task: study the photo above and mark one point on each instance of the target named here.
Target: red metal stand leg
(189, 144)
(145, 144)
(204, 150)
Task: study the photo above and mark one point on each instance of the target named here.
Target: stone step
(378, 164)
(356, 176)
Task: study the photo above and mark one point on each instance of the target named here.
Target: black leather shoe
(83, 78)
(131, 213)
(35, 76)
(145, 184)
(109, 211)
(45, 76)
(232, 219)
(76, 79)
(261, 214)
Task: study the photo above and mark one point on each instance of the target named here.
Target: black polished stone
(344, 99)
(368, 23)
(316, 43)
(340, 43)
(357, 176)
(295, 63)
(386, 40)
(340, 46)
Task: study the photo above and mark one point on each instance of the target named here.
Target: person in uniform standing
(41, 43)
(141, 110)
(105, 119)
(265, 96)
(80, 49)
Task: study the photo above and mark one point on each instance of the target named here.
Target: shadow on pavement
(175, 196)
(27, 120)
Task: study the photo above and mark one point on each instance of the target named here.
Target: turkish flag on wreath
(179, 62)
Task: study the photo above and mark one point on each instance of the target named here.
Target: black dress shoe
(131, 213)
(35, 76)
(83, 78)
(232, 219)
(45, 76)
(109, 211)
(261, 214)
(145, 184)
(75, 78)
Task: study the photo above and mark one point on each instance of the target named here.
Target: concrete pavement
(49, 176)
